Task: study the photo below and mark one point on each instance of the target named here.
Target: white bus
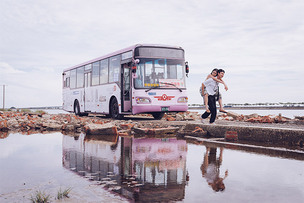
(143, 78)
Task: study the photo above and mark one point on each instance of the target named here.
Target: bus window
(139, 78)
(95, 73)
(180, 72)
(155, 72)
(160, 66)
(114, 68)
(171, 71)
(88, 67)
(80, 77)
(66, 79)
(104, 71)
(73, 79)
(148, 73)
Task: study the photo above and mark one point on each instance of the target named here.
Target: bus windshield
(160, 73)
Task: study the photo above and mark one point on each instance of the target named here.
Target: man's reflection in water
(211, 169)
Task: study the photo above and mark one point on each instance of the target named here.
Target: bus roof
(122, 51)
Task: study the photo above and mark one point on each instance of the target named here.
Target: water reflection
(211, 168)
(141, 169)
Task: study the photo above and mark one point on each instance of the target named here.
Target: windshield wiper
(166, 83)
(151, 88)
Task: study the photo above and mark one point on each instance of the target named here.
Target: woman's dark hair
(214, 70)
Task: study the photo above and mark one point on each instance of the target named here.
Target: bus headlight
(182, 100)
(143, 100)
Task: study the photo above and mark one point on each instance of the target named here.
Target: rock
(156, 131)
(68, 127)
(254, 115)
(192, 130)
(97, 129)
(171, 118)
(52, 126)
(179, 117)
(3, 125)
(233, 114)
(126, 126)
(299, 118)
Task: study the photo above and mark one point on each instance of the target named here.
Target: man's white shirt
(211, 86)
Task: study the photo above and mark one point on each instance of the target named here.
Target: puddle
(120, 169)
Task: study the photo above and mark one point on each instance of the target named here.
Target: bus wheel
(158, 115)
(114, 112)
(76, 108)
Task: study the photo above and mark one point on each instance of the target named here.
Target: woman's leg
(206, 102)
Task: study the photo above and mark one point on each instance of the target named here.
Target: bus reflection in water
(144, 169)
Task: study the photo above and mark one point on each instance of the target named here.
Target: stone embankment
(93, 125)
(232, 126)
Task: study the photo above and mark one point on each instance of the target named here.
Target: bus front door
(126, 88)
(87, 97)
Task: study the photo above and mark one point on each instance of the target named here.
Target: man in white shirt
(211, 88)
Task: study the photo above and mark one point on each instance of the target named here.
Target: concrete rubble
(30, 122)
(180, 124)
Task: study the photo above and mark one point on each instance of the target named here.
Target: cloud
(37, 87)
(5, 68)
(259, 44)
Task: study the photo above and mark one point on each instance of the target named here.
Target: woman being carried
(213, 75)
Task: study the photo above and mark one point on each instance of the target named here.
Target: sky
(260, 44)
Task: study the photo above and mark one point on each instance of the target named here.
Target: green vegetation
(64, 193)
(26, 111)
(40, 197)
(40, 112)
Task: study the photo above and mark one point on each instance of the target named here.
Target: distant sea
(289, 113)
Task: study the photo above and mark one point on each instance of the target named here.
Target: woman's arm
(215, 78)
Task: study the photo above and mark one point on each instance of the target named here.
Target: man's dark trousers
(212, 108)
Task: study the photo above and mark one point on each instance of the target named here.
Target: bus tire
(76, 108)
(114, 110)
(158, 115)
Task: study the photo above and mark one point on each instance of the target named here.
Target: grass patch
(63, 194)
(40, 112)
(26, 110)
(40, 197)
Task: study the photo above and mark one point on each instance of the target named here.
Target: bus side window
(95, 73)
(80, 77)
(104, 71)
(67, 82)
(73, 79)
(114, 68)
(66, 79)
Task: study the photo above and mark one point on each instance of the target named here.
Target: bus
(144, 78)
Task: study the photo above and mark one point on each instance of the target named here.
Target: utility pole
(3, 97)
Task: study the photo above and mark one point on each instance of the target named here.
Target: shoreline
(254, 108)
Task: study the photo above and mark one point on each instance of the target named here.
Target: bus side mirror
(134, 68)
(187, 68)
(136, 61)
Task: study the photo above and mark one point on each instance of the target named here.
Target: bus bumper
(149, 109)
